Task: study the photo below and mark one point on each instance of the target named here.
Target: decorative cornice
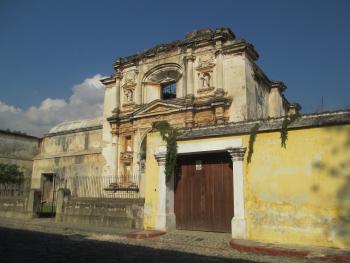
(278, 85)
(267, 125)
(161, 158)
(193, 39)
(98, 127)
(178, 105)
(237, 154)
(43, 156)
(108, 81)
(241, 46)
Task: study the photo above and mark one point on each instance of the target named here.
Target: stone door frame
(166, 219)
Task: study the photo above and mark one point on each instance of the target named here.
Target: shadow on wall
(337, 168)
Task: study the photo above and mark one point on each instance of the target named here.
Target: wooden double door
(204, 192)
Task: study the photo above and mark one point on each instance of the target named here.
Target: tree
(10, 174)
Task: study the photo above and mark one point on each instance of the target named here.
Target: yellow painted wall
(151, 193)
(298, 195)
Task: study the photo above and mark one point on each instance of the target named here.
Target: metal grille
(101, 186)
(47, 209)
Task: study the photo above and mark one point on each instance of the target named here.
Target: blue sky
(49, 48)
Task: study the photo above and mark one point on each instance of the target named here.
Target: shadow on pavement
(28, 246)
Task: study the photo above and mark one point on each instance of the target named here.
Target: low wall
(13, 206)
(24, 206)
(122, 213)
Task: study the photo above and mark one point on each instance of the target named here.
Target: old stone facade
(214, 78)
(70, 151)
(111, 170)
(19, 149)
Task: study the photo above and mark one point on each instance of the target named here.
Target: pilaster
(219, 66)
(190, 78)
(117, 84)
(238, 222)
(165, 214)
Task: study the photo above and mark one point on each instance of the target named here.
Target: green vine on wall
(169, 135)
(284, 129)
(252, 137)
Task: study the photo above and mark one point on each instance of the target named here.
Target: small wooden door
(204, 192)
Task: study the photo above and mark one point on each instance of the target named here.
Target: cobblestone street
(27, 246)
(43, 241)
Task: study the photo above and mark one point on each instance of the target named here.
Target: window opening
(169, 91)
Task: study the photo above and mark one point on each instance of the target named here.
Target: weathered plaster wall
(72, 142)
(13, 206)
(298, 195)
(109, 141)
(257, 94)
(275, 103)
(235, 86)
(87, 165)
(20, 150)
(151, 193)
(107, 212)
(75, 154)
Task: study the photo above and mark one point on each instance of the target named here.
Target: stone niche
(205, 74)
(128, 86)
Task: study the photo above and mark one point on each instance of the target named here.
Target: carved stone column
(165, 214)
(190, 79)
(238, 222)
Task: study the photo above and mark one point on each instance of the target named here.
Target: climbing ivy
(252, 138)
(284, 129)
(169, 135)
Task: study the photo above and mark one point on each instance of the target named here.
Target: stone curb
(144, 234)
(260, 248)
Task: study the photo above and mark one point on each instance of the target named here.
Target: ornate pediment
(157, 108)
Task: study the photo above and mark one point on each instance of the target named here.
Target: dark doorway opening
(47, 206)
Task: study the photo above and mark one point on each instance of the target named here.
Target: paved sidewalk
(317, 253)
(194, 242)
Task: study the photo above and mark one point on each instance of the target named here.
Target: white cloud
(4, 107)
(85, 102)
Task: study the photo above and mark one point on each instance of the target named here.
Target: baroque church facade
(209, 78)
(208, 87)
